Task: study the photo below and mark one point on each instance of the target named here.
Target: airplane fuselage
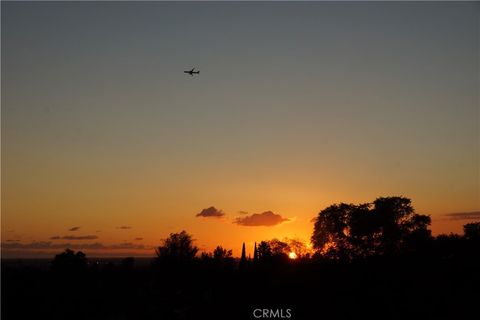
(191, 72)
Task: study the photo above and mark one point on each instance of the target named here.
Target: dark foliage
(69, 261)
(388, 226)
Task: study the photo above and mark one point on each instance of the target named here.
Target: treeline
(385, 228)
(365, 260)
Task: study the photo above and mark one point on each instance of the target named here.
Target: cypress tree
(244, 257)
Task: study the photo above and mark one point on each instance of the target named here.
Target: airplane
(191, 72)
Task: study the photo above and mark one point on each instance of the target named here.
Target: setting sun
(292, 255)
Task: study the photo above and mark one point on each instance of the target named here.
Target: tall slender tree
(243, 258)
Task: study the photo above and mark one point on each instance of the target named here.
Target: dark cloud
(89, 237)
(12, 240)
(126, 245)
(55, 238)
(31, 245)
(462, 215)
(74, 229)
(138, 239)
(124, 227)
(267, 219)
(211, 212)
(45, 245)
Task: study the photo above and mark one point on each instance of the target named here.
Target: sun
(292, 255)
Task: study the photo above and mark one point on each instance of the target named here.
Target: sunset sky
(108, 146)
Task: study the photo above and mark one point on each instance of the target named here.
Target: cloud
(462, 215)
(88, 237)
(31, 245)
(211, 212)
(124, 227)
(45, 245)
(126, 245)
(267, 219)
(138, 239)
(11, 240)
(74, 229)
(243, 212)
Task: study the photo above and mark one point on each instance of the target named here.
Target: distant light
(292, 255)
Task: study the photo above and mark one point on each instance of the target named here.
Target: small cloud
(463, 215)
(126, 245)
(55, 238)
(124, 227)
(138, 239)
(211, 212)
(74, 229)
(243, 212)
(12, 240)
(266, 219)
(79, 237)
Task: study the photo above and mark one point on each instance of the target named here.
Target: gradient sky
(297, 106)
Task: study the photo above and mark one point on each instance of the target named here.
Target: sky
(108, 147)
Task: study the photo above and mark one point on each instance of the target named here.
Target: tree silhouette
(264, 251)
(384, 227)
(330, 230)
(472, 231)
(69, 261)
(279, 248)
(221, 254)
(299, 247)
(178, 248)
(243, 258)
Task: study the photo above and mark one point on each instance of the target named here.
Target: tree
(298, 247)
(386, 226)
(69, 261)
(221, 254)
(178, 248)
(330, 233)
(472, 231)
(255, 253)
(279, 248)
(243, 258)
(394, 218)
(264, 251)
